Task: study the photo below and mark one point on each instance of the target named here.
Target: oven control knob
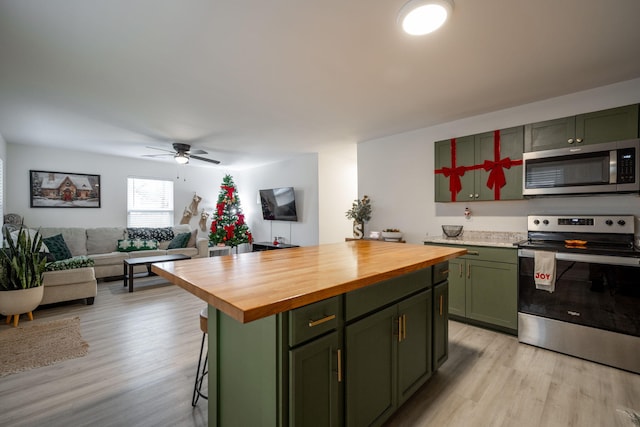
(621, 222)
(545, 222)
(536, 221)
(608, 222)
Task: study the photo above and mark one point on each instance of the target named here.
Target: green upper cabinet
(487, 167)
(615, 124)
(449, 158)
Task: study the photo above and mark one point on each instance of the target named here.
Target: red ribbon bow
(455, 184)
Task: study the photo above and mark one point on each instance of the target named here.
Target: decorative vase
(16, 302)
(358, 229)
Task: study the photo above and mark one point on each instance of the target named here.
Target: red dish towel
(544, 271)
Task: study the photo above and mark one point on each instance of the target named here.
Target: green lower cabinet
(491, 295)
(388, 358)
(316, 382)
(440, 324)
(457, 287)
(312, 367)
(483, 287)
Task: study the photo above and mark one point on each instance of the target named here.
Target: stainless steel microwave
(610, 167)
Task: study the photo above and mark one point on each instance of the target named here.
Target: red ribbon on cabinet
(495, 167)
(496, 179)
(453, 173)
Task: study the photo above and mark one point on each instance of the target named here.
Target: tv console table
(267, 246)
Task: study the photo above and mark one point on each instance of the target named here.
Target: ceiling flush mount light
(181, 158)
(419, 17)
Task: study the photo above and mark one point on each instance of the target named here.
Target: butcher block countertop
(254, 285)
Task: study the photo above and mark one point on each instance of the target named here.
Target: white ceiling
(253, 81)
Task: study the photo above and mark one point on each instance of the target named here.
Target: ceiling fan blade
(204, 159)
(161, 149)
(157, 155)
(197, 152)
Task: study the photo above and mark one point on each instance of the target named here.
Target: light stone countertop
(506, 239)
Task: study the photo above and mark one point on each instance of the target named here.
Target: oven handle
(594, 259)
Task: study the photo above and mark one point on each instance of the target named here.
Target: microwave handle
(613, 167)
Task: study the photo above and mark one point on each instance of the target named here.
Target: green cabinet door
(491, 293)
(370, 368)
(315, 380)
(614, 124)
(464, 156)
(414, 345)
(457, 287)
(440, 324)
(549, 134)
(508, 149)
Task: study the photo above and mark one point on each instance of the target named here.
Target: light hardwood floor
(143, 353)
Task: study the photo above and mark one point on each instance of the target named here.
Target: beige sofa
(100, 244)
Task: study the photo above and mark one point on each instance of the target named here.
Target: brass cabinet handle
(313, 323)
(460, 272)
(570, 140)
(441, 303)
(339, 365)
(473, 253)
(578, 140)
(469, 271)
(400, 329)
(443, 272)
(404, 326)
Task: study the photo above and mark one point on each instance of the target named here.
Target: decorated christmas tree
(228, 226)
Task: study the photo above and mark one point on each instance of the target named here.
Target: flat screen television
(279, 204)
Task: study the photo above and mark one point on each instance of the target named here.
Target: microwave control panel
(626, 165)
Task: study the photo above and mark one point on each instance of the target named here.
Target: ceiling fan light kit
(181, 158)
(419, 17)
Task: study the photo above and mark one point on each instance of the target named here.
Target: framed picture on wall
(64, 190)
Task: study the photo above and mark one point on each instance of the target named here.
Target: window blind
(149, 202)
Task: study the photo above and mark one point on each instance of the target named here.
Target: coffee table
(132, 262)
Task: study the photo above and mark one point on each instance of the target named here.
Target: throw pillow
(58, 247)
(193, 239)
(160, 234)
(130, 245)
(180, 241)
(71, 263)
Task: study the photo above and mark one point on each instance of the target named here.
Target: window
(149, 202)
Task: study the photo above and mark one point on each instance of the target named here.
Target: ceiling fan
(182, 153)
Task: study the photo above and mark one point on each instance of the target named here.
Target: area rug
(28, 347)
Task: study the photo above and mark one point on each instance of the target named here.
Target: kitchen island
(288, 329)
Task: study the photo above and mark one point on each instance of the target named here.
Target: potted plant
(22, 266)
(360, 213)
(392, 234)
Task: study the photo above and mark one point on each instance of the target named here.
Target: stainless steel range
(593, 310)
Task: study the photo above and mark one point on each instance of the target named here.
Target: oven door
(591, 290)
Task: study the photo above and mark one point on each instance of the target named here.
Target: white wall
(113, 173)
(338, 187)
(3, 190)
(301, 173)
(397, 172)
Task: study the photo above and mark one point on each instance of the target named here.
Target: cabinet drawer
(313, 320)
(440, 272)
(484, 253)
(366, 300)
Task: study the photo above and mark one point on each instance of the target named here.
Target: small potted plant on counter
(360, 213)
(391, 234)
(22, 265)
